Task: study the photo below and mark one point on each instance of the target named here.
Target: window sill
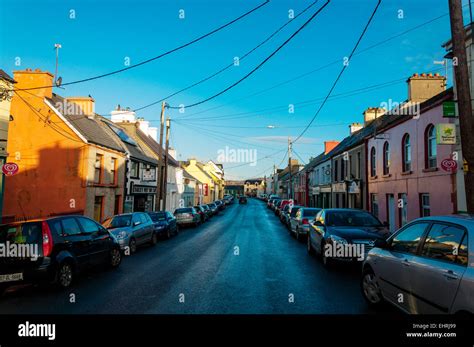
(373, 177)
(387, 176)
(103, 185)
(431, 169)
(405, 173)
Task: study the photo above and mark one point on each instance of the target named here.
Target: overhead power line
(228, 66)
(160, 55)
(342, 71)
(258, 66)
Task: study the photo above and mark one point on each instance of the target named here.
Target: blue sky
(104, 33)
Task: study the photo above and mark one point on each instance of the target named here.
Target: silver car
(299, 221)
(426, 267)
(132, 230)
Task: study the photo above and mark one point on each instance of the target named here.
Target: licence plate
(11, 277)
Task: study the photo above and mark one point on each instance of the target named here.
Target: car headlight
(337, 239)
(122, 235)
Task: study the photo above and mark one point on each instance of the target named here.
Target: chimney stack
(329, 146)
(85, 105)
(33, 79)
(355, 127)
(372, 113)
(422, 87)
(122, 116)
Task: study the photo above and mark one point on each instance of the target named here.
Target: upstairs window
(406, 153)
(386, 158)
(430, 146)
(373, 163)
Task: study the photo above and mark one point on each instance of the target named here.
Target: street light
(445, 64)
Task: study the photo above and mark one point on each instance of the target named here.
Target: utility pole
(463, 93)
(159, 182)
(165, 180)
(289, 168)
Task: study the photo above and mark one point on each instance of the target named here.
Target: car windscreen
(310, 212)
(184, 210)
(351, 218)
(118, 222)
(24, 233)
(157, 217)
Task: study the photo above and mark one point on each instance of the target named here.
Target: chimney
(355, 127)
(172, 152)
(143, 125)
(329, 146)
(123, 116)
(33, 79)
(424, 86)
(85, 105)
(372, 113)
(153, 132)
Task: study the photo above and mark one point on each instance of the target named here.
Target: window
(99, 158)
(424, 205)
(406, 153)
(117, 204)
(335, 170)
(70, 226)
(88, 225)
(374, 205)
(407, 240)
(373, 163)
(386, 158)
(113, 170)
(430, 147)
(134, 169)
(143, 218)
(98, 207)
(402, 209)
(359, 168)
(343, 169)
(444, 243)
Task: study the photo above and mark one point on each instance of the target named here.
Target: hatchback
(164, 223)
(299, 223)
(187, 216)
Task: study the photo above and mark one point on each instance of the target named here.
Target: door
(437, 271)
(171, 221)
(391, 212)
(76, 242)
(394, 265)
(316, 232)
(99, 241)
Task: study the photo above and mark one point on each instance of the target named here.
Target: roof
(464, 220)
(5, 76)
(92, 129)
(155, 146)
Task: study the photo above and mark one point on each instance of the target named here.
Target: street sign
(449, 110)
(9, 169)
(449, 165)
(445, 134)
(206, 189)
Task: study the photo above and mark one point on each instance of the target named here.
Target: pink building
(405, 176)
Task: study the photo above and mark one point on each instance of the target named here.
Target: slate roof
(93, 130)
(5, 76)
(155, 146)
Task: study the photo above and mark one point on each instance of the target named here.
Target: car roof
(464, 220)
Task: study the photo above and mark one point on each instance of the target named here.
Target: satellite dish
(59, 81)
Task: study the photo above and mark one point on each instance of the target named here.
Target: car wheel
(115, 258)
(370, 288)
(176, 230)
(168, 233)
(309, 247)
(154, 239)
(64, 275)
(297, 235)
(132, 245)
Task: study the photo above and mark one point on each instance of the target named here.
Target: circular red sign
(9, 169)
(449, 165)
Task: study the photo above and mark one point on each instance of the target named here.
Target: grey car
(187, 216)
(427, 267)
(132, 230)
(299, 221)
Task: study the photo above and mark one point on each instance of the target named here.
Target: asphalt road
(242, 261)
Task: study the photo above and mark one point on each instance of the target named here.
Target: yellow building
(198, 171)
(216, 171)
(6, 85)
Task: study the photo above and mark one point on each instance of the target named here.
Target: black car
(164, 223)
(220, 205)
(202, 213)
(242, 200)
(60, 248)
(208, 211)
(342, 234)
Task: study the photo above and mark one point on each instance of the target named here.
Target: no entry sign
(9, 169)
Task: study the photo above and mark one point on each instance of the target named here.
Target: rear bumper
(45, 271)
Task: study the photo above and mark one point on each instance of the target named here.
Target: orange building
(68, 160)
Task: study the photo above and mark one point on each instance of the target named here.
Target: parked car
(164, 223)
(187, 216)
(291, 213)
(282, 206)
(65, 246)
(220, 205)
(202, 213)
(299, 223)
(284, 215)
(337, 228)
(132, 230)
(243, 200)
(208, 211)
(277, 207)
(214, 208)
(428, 263)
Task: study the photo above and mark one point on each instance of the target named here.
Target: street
(242, 261)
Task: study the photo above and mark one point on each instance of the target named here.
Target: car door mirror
(383, 244)
(136, 223)
(385, 224)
